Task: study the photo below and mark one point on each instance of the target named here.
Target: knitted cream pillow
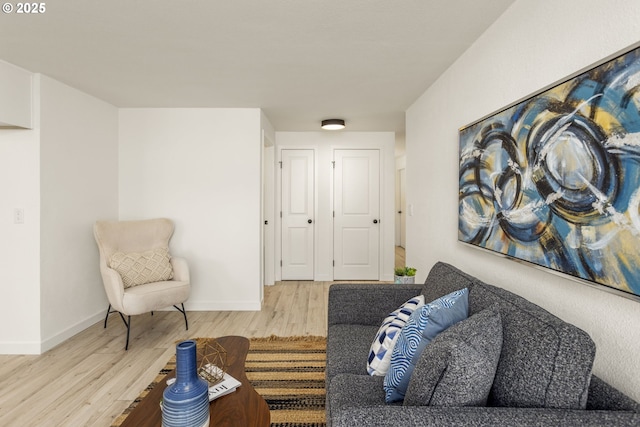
(144, 267)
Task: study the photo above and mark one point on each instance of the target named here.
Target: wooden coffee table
(243, 407)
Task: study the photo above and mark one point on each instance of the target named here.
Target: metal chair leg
(127, 322)
(128, 325)
(184, 313)
(107, 316)
(126, 347)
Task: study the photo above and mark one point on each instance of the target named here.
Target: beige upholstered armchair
(138, 272)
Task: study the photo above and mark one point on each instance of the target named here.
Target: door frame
(268, 219)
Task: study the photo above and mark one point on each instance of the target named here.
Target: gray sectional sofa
(543, 376)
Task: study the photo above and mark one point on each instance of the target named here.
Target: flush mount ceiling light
(332, 124)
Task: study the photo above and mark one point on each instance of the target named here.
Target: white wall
(324, 143)
(401, 144)
(16, 96)
(533, 44)
(63, 175)
(79, 185)
(201, 167)
(20, 243)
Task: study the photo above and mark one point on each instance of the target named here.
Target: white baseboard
(323, 278)
(60, 337)
(35, 347)
(328, 278)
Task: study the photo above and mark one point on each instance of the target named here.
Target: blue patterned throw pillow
(423, 326)
(385, 340)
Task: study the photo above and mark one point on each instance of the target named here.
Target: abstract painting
(555, 179)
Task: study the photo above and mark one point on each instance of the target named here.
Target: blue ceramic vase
(185, 403)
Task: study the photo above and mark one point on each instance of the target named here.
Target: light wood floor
(90, 379)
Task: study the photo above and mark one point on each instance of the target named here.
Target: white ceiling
(301, 61)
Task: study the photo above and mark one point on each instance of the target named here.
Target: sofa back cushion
(444, 279)
(545, 362)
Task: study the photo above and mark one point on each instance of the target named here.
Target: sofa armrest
(602, 396)
(180, 269)
(366, 304)
(427, 416)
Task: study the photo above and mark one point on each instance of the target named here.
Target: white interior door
(357, 214)
(297, 214)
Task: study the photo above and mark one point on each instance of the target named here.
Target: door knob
(375, 221)
(309, 221)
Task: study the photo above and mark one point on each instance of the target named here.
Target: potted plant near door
(405, 275)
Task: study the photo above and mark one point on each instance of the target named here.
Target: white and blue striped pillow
(422, 327)
(382, 346)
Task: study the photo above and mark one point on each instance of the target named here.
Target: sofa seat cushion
(355, 391)
(457, 368)
(348, 348)
(430, 416)
(154, 296)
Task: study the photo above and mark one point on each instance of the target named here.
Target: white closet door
(357, 214)
(297, 214)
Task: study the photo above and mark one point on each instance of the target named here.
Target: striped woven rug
(288, 372)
